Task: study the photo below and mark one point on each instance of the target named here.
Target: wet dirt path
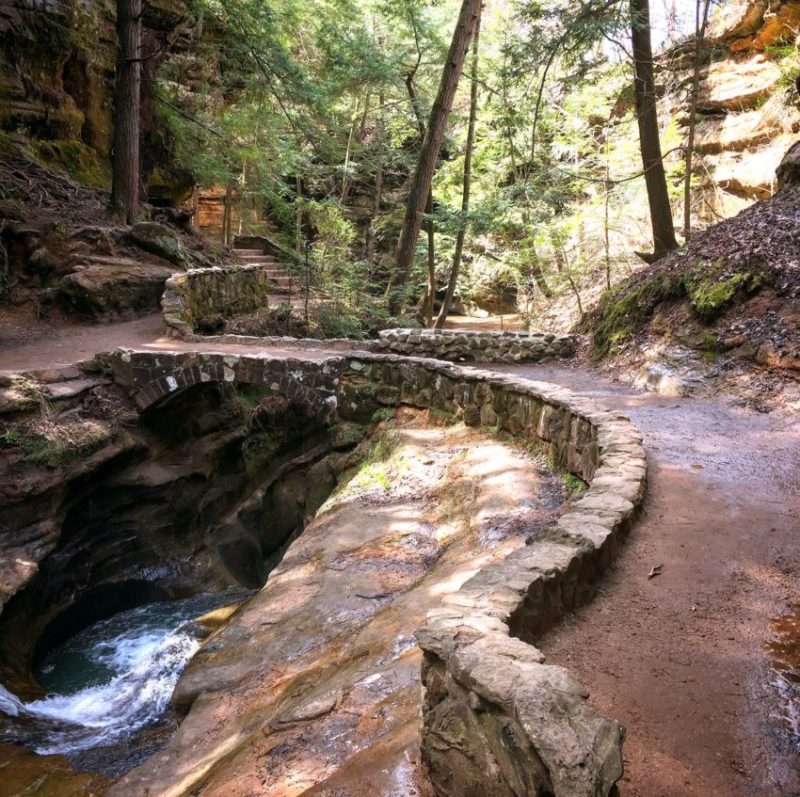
(680, 658)
(314, 687)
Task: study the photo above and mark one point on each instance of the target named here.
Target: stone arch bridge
(154, 377)
(477, 648)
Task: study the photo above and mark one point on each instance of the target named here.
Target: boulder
(159, 240)
(788, 171)
(105, 291)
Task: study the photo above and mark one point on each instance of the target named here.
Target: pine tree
(426, 165)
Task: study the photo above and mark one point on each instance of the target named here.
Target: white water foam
(144, 663)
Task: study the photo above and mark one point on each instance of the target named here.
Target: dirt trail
(39, 345)
(679, 658)
(46, 347)
(67, 345)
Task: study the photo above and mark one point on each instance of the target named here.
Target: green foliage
(575, 485)
(380, 460)
(383, 414)
(318, 91)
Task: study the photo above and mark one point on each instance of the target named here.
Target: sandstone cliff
(57, 60)
(748, 106)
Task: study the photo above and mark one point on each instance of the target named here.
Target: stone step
(259, 259)
(243, 252)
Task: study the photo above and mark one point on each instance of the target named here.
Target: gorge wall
(57, 63)
(102, 507)
(748, 106)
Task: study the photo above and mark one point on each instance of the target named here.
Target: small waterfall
(109, 681)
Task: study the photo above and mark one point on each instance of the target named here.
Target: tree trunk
(701, 20)
(536, 271)
(462, 229)
(649, 142)
(227, 214)
(426, 165)
(430, 286)
(127, 103)
(298, 215)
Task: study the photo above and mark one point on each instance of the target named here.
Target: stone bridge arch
(154, 377)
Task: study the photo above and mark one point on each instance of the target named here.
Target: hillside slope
(726, 302)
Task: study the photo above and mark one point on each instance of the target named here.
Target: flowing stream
(111, 680)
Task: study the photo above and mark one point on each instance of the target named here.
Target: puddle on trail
(784, 651)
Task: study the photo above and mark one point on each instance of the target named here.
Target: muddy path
(680, 658)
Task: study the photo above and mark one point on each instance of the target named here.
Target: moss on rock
(628, 307)
(709, 296)
(709, 287)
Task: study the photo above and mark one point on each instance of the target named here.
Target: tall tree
(465, 195)
(700, 22)
(127, 103)
(649, 141)
(430, 288)
(429, 154)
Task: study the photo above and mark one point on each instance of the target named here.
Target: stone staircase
(280, 280)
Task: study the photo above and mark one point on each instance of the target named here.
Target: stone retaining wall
(497, 720)
(207, 296)
(507, 347)
(499, 347)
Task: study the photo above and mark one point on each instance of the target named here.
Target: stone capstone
(507, 347)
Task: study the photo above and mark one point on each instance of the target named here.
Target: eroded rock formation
(102, 509)
(749, 110)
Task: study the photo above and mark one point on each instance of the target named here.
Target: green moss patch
(81, 163)
(709, 296)
(709, 288)
(626, 309)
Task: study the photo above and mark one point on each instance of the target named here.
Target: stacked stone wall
(498, 721)
(206, 297)
(499, 347)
